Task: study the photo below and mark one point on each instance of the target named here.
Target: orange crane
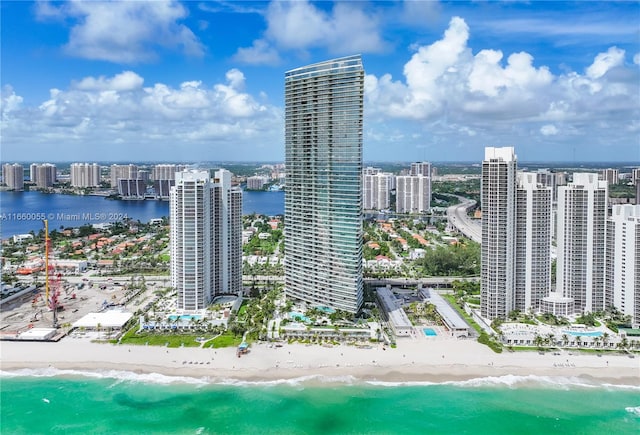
(52, 280)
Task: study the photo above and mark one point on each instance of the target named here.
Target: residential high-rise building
(256, 182)
(533, 241)
(582, 215)
(131, 188)
(498, 196)
(123, 172)
(550, 179)
(421, 168)
(413, 193)
(166, 171)
(13, 176)
(43, 174)
(85, 175)
(376, 191)
(144, 175)
(635, 176)
(206, 238)
(610, 175)
(622, 276)
(324, 105)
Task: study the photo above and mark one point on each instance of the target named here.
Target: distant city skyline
(178, 81)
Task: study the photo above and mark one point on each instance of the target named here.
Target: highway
(458, 218)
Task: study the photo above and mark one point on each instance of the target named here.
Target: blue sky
(203, 81)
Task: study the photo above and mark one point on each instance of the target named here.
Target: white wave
(633, 410)
(514, 381)
(509, 381)
(118, 375)
(294, 382)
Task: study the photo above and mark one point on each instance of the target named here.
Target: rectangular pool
(429, 332)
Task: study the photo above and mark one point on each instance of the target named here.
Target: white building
(413, 193)
(206, 238)
(85, 175)
(43, 175)
(376, 191)
(13, 176)
(533, 242)
(421, 168)
(123, 172)
(324, 112)
(582, 215)
(256, 182)
(610, 175)
(498, 250)
(166, 171)
(622, 276)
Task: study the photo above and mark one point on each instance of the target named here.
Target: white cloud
(260, 53)
(636, 59)
(125, 81)
(458, 97)
(124, 31)
(419, 12)
(445, 79)
(116, 114)
(604, 62)
(549, 130)
(300, 26)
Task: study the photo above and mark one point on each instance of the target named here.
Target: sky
(204, 80)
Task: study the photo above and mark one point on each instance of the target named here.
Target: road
(457, 215)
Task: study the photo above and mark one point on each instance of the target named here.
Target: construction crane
(52, 280)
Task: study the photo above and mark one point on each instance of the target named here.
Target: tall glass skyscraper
(323, 201)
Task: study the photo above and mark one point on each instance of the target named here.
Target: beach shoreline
(413, 361)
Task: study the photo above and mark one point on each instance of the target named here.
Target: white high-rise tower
(622, 276)
(582, 215)
(498, 195)
(533, 241)
(206, 238)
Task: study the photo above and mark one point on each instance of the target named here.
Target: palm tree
(551, 338)
(565, 339)
(538, 340)
(577, 340)
(605, 338)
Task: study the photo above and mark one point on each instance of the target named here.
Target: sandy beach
(414, 360)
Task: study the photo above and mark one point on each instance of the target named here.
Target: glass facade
(323, 200)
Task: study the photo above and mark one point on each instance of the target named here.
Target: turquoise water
(294, 314)
(583, 333)
(123, 403)
(429, 332)
(185, 317)
(327, 310)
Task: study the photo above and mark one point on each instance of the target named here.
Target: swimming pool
(429, 332)
(326, 310)
(184, 318)
(293, 315)
(584, 333)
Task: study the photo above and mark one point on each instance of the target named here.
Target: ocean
(21, 212)
(72, 402)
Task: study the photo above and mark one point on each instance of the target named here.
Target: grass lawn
(224, 341)
(152, 339)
